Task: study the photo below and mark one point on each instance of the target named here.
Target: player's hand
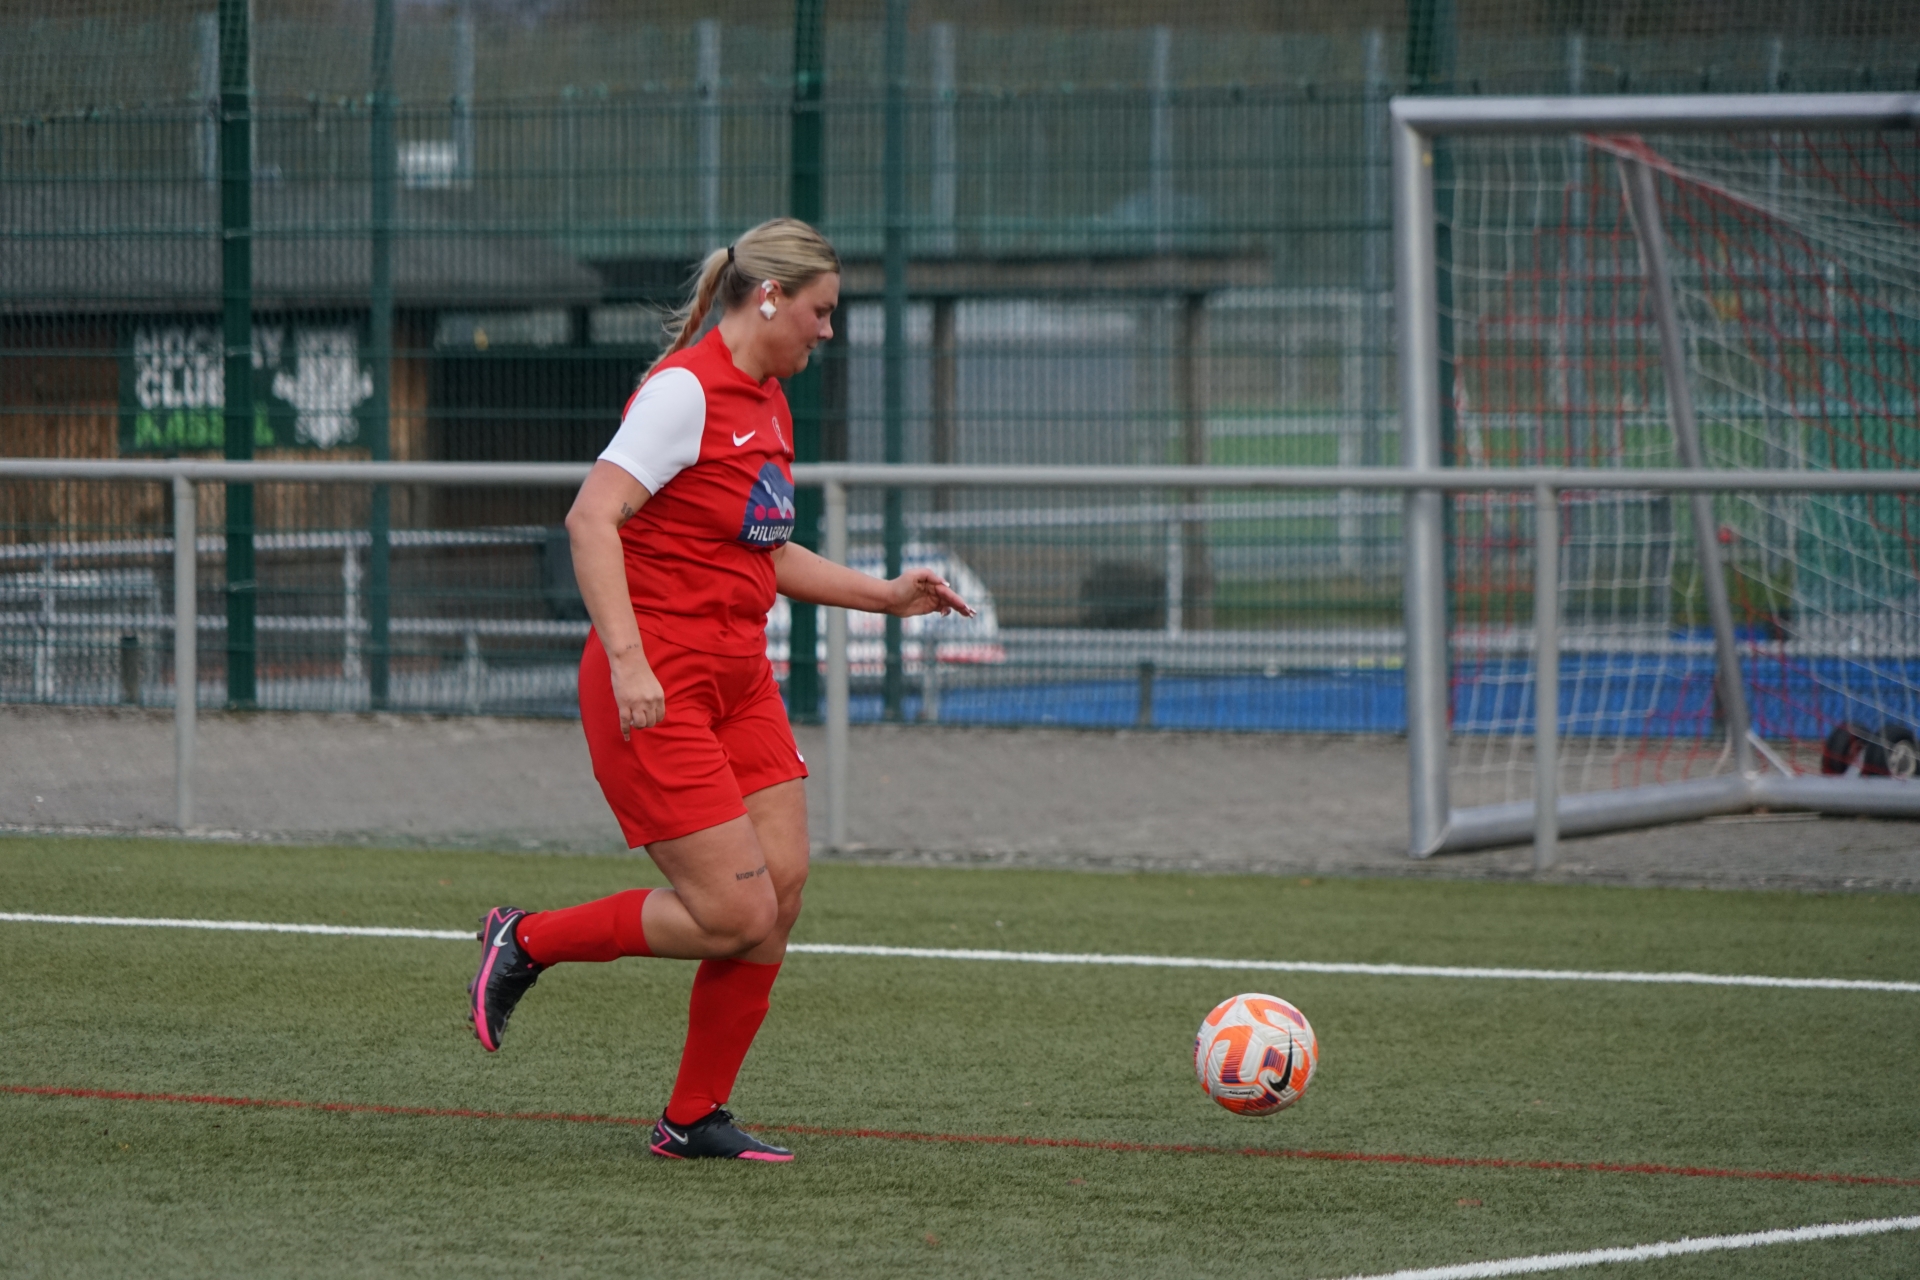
(919, 591)
(637, 692)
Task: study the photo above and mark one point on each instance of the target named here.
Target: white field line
(1369, 970)
(1648, 1252)
(245, 926)
(1055, 957)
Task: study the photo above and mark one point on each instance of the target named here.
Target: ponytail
(683, 324)
(784, 250)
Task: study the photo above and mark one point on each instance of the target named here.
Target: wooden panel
(60, 398)
(413, 505)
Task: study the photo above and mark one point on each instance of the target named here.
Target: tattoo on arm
(749, 875)
(626, 512)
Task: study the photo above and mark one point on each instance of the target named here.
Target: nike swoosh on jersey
(740, 440)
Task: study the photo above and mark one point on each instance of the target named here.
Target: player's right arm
(607, 500)
(659, 437)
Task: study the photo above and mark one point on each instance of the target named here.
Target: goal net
(1793, 259)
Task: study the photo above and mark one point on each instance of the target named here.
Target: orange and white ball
(1255, 1054)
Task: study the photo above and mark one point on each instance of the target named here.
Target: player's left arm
(811, 579)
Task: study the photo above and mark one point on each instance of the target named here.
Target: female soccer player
(680, 540)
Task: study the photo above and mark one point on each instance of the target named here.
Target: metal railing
(42, 591)
(1545, 817)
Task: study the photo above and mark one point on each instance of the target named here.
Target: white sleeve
(660, 436)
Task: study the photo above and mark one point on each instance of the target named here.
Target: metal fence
(1414, 487)
(1118, 275)
(1086, 600)
(1142, 233)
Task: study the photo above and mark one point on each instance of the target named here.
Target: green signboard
(311, 383)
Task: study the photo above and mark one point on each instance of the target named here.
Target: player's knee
(761, 923)
(789, 909)
(747, 922)
(787, 887)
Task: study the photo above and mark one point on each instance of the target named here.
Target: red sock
(604, 929)
(729, 1003)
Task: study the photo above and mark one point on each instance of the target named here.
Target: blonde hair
(784, 250)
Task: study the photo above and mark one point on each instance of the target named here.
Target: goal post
(1726, 283)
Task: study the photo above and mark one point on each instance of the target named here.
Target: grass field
(1819, 1082)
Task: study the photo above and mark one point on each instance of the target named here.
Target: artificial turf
(1755, 1079)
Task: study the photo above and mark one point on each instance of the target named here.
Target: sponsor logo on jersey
(769, 518)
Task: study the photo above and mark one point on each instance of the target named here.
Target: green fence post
(236, 288)
(380, 338)
(803, 390)
(894, 164)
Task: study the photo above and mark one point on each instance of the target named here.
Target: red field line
(1351, 1157)
(988, 1139)
(303, 1104)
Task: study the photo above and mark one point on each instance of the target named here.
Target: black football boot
(505, 974)
(713, 1136)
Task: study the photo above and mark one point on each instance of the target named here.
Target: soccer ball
(1255, 1054)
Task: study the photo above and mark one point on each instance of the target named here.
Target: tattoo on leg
(748, 875)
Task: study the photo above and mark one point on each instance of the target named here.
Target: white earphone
(766, 303)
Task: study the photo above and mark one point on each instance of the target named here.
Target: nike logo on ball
(740, 440)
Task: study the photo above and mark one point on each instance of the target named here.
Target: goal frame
(1434, 825)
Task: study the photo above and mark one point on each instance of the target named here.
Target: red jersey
(713, 448)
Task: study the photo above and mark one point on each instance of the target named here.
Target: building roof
(117, 245)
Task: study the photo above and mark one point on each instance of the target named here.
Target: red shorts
(725, 737)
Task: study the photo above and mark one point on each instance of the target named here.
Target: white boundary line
(1648, 1252)
(1052, 957)
(245, 926)
(1367, 970)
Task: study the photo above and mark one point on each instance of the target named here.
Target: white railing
(42, 592)
(836, 479)
(1171, 519)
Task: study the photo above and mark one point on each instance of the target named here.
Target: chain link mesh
(1138, 232)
